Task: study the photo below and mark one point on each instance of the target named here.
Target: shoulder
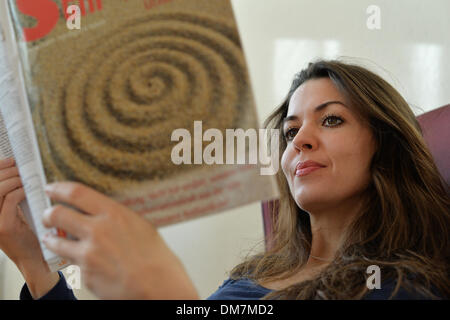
(239, 289)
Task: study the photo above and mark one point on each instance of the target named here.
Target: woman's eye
(328, 121)
(290, 133)
(332, 121)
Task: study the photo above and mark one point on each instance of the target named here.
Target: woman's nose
(304, 139)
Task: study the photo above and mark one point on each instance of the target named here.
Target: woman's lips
(307, 170)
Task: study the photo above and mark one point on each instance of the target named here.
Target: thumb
(8, 213)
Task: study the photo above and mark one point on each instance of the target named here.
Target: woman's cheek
(286, 160)
(348, 175)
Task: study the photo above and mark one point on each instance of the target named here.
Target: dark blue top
(60, 291)
(242, 289)
(245, 289)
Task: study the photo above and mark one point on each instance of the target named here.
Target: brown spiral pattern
(109, 121)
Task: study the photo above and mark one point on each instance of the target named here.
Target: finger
(9, 209)
(6, 163)
(9, 185)
(81, 197)
(67, 219)
(65, 248)
(9, 173)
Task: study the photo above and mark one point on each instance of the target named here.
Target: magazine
(144, 101)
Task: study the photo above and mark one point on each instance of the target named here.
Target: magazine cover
(106, 100)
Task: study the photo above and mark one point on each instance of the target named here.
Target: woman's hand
(121, 255)
(17, 240)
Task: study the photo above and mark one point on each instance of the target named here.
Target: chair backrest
(436, 131)
(435, 126)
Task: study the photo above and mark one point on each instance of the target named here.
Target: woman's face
(321, 127)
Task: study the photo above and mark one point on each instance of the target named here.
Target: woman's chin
(307, 206)
(310, 203)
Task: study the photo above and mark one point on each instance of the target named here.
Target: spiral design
(109, 122)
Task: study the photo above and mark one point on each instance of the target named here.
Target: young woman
(358, 188)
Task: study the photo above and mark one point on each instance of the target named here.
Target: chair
(435, 126)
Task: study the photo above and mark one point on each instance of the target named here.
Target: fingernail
(48, 188)
(47, 212)
(45, 218)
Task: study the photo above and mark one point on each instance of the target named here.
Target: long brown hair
(403, 226)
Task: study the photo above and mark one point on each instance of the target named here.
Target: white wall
(280, 37)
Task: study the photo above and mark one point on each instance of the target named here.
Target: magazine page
(142, 100)
(16, 141)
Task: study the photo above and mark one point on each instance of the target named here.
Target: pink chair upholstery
(435, 126)
(436, 131)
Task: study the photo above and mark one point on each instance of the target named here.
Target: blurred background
(404, 41)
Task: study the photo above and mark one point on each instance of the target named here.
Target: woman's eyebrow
(316, 109)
